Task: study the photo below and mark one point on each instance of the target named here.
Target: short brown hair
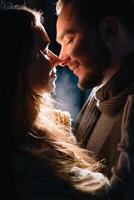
(60, 4)
(94, 11)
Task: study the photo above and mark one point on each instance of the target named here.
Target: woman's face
(41, 70)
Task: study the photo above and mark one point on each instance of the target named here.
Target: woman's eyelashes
(42, 52)
(46, 49)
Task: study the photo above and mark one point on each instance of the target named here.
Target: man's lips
(74, 68)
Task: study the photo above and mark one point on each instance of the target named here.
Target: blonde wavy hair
(59, 149)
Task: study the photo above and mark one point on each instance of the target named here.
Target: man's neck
(110, 73)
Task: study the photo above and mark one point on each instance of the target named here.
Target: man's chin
(81, 87)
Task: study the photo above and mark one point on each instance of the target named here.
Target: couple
(45, 161)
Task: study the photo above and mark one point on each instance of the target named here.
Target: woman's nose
(54, 59)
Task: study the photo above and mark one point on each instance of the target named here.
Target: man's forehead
(64, 21)
(66, 13)
(69, 21)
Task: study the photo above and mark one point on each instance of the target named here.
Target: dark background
(71, 98)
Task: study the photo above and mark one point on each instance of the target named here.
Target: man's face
(82, 49)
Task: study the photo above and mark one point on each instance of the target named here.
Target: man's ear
(109, 30)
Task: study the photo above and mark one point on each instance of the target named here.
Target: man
(97, 44)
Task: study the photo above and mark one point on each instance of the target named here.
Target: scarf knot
(114, 105)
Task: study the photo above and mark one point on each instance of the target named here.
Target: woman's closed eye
(45, 50)
(44, 53)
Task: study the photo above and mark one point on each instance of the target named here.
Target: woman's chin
(51, 87)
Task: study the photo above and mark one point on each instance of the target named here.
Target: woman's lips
(53, 75)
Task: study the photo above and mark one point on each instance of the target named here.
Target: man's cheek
(78, 51)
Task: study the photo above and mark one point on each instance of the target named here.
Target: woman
(44, 160)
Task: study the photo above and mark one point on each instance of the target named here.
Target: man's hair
(94, 11)
(60, 4)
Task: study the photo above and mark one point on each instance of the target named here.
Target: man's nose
(54, 59)
(64, 57)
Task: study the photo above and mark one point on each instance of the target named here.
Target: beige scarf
(108, 100)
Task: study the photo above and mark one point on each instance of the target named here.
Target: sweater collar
(112, 96)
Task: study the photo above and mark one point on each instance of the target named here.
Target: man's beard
(100, 64)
